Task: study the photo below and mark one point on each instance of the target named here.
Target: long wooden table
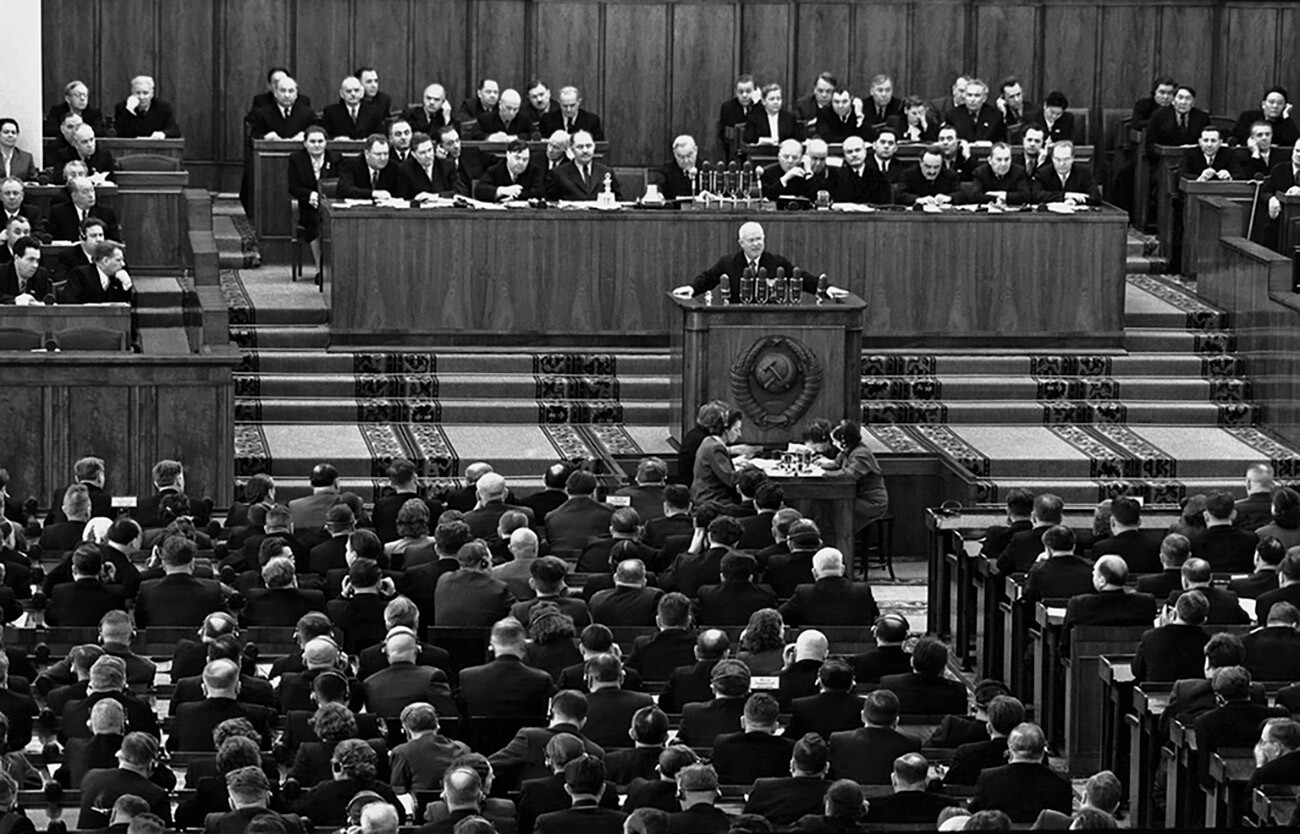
(447, 276)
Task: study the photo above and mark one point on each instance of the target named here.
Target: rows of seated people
(560, 717)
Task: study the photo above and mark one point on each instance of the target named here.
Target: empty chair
(20, 338)
(90, 338)
(148, 162)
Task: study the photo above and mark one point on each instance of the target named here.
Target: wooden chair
(90, 338)
(148, 162)
(20, 338)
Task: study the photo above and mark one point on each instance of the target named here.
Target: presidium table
(958, 279)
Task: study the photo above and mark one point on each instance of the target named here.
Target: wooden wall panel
(1187, 38)
(636, 110)
(822, 45)
(1288, 57)
(1128, 53)
(1249, 33)
(765, 46)
(938, 46)
(1069, 52)
(69, 48)
(323, 49)
(567, 50)
(440, 49)
(127, 50)
(1004, 45)
(880, 44)
(185, 74)
(380, 39)
(501, 45)
(699, 33)
(254, 36)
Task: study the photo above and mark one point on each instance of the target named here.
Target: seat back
(148, 162)
(20, 338)
(90, 338)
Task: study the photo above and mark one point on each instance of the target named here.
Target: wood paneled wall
(653, 68)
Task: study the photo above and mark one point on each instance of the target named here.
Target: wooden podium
(782, 366)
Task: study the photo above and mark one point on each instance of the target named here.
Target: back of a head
(1220, 505)
(1224, 649)
(836, 674)
(139, 749)
(911, 769)
(461, 786)
(624, 521)
(1231, 683)
(712, 643)
(563, 748)
(491, 487)
(1113, 569)
(580, 482)
(828, 561)
(677, 496)
(108, 674)
(597, 638)
(674, 758)
(1175, 549)
(1192, 607)
(474, 555)
(450, 536)
(630, 572)
(570, 705)
(725, 531)
(128, 806)
(1005, 714)
(1196, 571)
(148, 823)
(987, 821)
(674, 610)
(220, 675)
(929, 657)
(1059, 539)
(509, 634)
(880, 708)
(548, 573)
(585, 775)
(646, 821)
(650, 725)
(811, 754)
(178, 551)
(604, 668)
(324, 475)
(557, 475)
(1027, 740)
(1020, 502)
(1289, 567)
(1126, 511)
(379, 818)
(738, 567)
(1103, 791)
(844, 801)
(1049, 508)
(762, 710)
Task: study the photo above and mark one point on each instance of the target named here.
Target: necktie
(352, 111)
(286, 113)
(1182, 122)
(568, 126)
(586, 177)
(374, 178)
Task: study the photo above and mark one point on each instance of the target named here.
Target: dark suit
(1225, 607)
(413, 180)
(38, 286)
(825, 713)
(571, 524)
(101, 788)
(252, 690)
(1284, 130)
(564, 182)
(783, 800)
(831, 600)
(609, 715)
(1163, 129)
(422, 122)
(594, 557)
(656, 656)
(1021, 551)
(360, 619)
(237, 821)
(702, 722)
(586, 120)
(867, 186)
(1140, 550)
(546, 795)
(832, 127)
(732, 602)
(525, 756)
(866, 755)
(972, 758)
(690, 572)
(64, 222)
(908, 808)
(85, 287)
(926, 694)
(1021, 790)
(83, 603)
(279, 606)
(1252, 167)
(471, 598)
(1227, 549)
(157, 119)
(195, 722)
(355, 182)
(1170, 653)
(758, 126)
(505, 686)
(532, 179)
(1273, 653)
(1256, 509)
(339, 124)
(916, 186)
(1058, 577)
(1235, 724)
(418, 765)
(583, 818)
(491, 122)
(99, 162)
(1048, 187)
(986, 125)
(734, 264)
(626, 606)
(687, 685)
(1284, 770)
(541, 503)
(730, 114)
(1195, 163)
(674, 183)
(652, 792)
(1161, 585)
(1109, 608)
(389, 690)
(741, 758)
(1015, 182)
(177, 600)
(622, 766)
(269, 118)
(1251, 587)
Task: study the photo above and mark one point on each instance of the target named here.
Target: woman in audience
(762, 643)
(1285, 526)
(14, 161)
(714, 475)
(550, 640)
(413, 527)
(354, 765)
(1059, 124)
(1192, 520)
(333, 724)
(307, 168)
(856, 461)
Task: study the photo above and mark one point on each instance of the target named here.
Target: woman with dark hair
(856, 461)
(354, 766)
(412, 526)
(1285, 526)
(551, 636)
(762, 643)
(1058, 124)
(308, 166)
(714, 475)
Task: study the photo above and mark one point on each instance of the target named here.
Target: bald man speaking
(753, 252)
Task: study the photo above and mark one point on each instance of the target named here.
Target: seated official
(857, 181)
(977, 120)
(571, 118)
(1033, 150)
(790, 173)
(558, 146)
(433, 112)
(484, 100)
(100, 164)
(539, 102)
(866, 754)
(679, 174)
(831, 598)
(1058, 124)
(513, 178)
(350, 117)
(771, 124)
(1027, 784)
(1210, 160)
(141, 116)
(1017, 114)
(1277, 753)
(753, 253)
(956, 153)
(399, 141)
(93, 232)
(504, 123)
(76, 102)
(467, 162)
(1275, 112)
(1064, 181)
(734, 112)
(820, 178)
(307, 168)
(842, 119)
(423, 175)
(105, 281)
(14, 228)
(918, 123)
(1283, 180)
(14, 161)
(368, 177)
(930, 183)
(372, 95)
(14, 203)
(1000, 180)
(65, 218)
(286, 117)
(23, 280)
(582, 178)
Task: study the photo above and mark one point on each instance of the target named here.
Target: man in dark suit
(702, 722)
(1178, 124)
(924, 690)
(249, 794)
(571, 118)
(1140, 551)
(833, 709)
(368, 177)
(1268, 556)
(841, 120)
(1210, 160)
(251, 690)
(629, 602)
(649, 733)
(281, 602)
(547, 794)
(678, 174)
(84, 148)
(505, 122)
(579, 518)
(771, 123)
(403, 682)
(857, 181)
(692, 683)
(930, 183)
(911, 803)
(784, 799)
(178, 599)
(419, 763)
(888, 657)
(866, 755)
(14, 203)
(734, 112)
(1277, 754)
(591, 811)
(1175, 650)
(1260, 155)
(1063, 181)
(86, 599)
(753, 254)
(610, 708)
(101, 788)
(66, 218)
(142, 115)
(1004, 713)
(1026, 784)
(424, 176)
(1175, 550)
(1256, 509)
(554, 481)
(421, 580)
(582, 178)
(1061, 574)
(546, 580)
(832, 598)
(1017, 114)
(1112, 604)
(92, 232)
(1194, 696)
(471, 596)
(106, 281)
(513, 178)
(1274, 113)
(1225, 607)
(491, 503)
(1272, 653)
(1226, 548)
(1000, 180)
(1234, 723)
(977, 120)
(689, 572)
(467, 162)
(756, 752)
(286, 118)
(600, 553)
(738, 597)
(433, 113)
(506, 686)
(524, 757)
(350, 117)
(195, 721)
(1024, 544)
(789, 176)
(24, 277)
(331, 554)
